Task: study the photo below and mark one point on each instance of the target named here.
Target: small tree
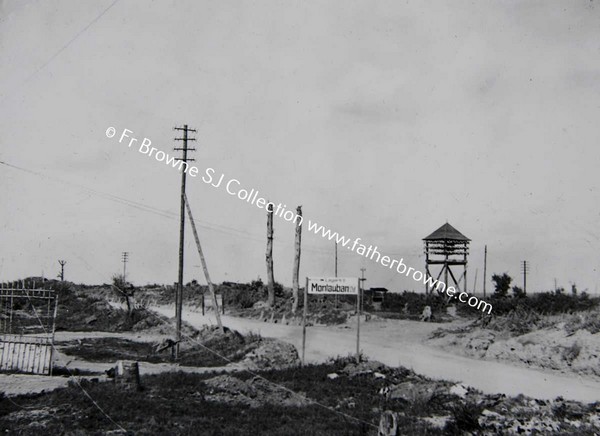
(501, 284)
(124, 290)
(518, 292)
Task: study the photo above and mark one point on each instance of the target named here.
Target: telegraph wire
(160, 212)
(71, 41)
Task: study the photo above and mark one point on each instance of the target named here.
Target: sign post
(304, 320)
(331, 286)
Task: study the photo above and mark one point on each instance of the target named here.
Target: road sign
(332, 285)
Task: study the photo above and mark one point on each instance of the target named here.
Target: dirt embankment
(569, 344)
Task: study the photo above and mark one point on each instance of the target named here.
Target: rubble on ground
(270, 354)
(255, 392)
(364, 367)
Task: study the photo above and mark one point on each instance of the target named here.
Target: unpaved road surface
(397, 342)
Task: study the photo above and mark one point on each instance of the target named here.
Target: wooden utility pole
(336, 272)
(185, 159)
(269, 258)
(124, 258)
(62, 264)
(525, 268)
(336, 263)
(296, 272)
(361, 286)
(211, 289)
(484, 270)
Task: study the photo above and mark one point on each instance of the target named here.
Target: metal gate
(27, 321)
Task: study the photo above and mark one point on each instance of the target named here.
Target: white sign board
(332, 285)
(208, 301)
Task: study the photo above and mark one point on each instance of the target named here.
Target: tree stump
(388, 424)
(127, 374)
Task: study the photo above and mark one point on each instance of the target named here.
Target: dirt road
(396, 342)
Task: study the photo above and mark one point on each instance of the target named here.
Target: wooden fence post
(127, 374)
(388, 424)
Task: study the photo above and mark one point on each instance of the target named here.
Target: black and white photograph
(273, 217)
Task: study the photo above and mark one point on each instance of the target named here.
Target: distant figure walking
(426, 315)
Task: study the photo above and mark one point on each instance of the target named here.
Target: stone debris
(363, 368)
(437, 421)
(459, 390)
(270, 354)
(255, 392)
(413, 391)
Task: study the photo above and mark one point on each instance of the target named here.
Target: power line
(160, 212)
(65, 46)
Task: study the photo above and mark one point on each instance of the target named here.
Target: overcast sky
(382, 119)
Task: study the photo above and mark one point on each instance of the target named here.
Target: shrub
(587, 321)
(501, 284)
(571, 353)
(466, 419)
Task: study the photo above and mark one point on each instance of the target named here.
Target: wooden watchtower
(447, 249)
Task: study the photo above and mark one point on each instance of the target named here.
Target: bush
(466, 419)
(586, 321)
(241, 295)
(571, 353)
(245, 295)
(543, 303)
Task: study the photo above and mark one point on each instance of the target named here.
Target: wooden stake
(269, 258)
(204, 267)
(484, 270)
(296, 271)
